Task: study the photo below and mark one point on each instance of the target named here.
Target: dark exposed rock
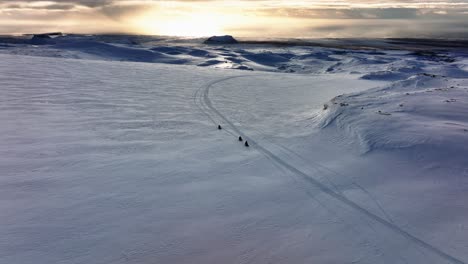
(227, 39)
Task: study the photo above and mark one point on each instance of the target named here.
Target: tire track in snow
(198, 99)
(203, 94)
(317, 167)
(324, 171)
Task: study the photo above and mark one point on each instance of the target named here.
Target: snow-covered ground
(360, 158)
(390, 59)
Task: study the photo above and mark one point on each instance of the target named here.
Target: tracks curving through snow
(203, 102)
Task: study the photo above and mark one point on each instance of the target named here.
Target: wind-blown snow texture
(361, 160)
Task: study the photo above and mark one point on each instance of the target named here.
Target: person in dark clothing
(240, 139)
(219, 127)
(246, 144)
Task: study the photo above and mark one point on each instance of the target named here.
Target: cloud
(40, 3)
(258, 3)
(381, 28)
(308, 17)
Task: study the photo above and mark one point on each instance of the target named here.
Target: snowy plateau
(110, 151)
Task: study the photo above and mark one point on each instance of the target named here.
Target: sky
(243, 18)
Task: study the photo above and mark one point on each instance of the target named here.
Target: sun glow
(193, 25)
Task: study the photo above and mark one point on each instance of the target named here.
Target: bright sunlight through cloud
(193, 25)
(242, 18)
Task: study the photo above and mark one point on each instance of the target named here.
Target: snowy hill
(105, 159)
(377, 58)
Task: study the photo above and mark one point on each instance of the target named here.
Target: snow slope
(422, 111)
(392, 59)
(106, 161)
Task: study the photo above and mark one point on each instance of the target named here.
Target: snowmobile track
(202, 96)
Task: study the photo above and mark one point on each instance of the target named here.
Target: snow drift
(425, 111)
